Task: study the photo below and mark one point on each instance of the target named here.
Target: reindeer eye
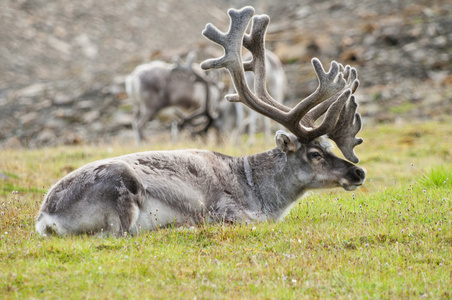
(314, 155)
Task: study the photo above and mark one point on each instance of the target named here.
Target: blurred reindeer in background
(158, 85)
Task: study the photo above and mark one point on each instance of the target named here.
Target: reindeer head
(316, 166)
(333, 99)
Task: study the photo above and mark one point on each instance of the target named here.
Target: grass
(392, 238)
(440, 176)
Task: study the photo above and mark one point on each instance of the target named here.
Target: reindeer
(143, 191)
(157, 85)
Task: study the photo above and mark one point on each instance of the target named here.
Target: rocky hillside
(63, 63)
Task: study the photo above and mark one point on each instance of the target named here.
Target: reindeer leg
(137, 131)
(148, 115)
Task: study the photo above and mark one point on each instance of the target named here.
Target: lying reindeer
(143, 191)
(157, 85)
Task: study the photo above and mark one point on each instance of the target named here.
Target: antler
(333, 97)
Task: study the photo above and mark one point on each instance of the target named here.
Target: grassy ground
(392, 238)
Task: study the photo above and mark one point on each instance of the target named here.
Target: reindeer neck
(271, 179)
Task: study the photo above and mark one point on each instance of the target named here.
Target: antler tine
(344, 133)
(331, 117)
(352, 83)
(231, 41)
(255, 43)
(348, 123)
(330, 83)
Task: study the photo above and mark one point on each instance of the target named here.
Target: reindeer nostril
(360, 173)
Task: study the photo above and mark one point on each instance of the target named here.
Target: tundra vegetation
(391, 238)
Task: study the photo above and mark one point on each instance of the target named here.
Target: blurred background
(63, 63)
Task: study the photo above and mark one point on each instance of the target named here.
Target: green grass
(392, 238)
(402, 108)
(439, 176)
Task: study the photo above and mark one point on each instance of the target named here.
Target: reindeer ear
(286, 141)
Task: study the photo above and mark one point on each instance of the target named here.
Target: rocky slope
(63, 63)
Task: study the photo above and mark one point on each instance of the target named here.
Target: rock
(45, 137)
(122, 119)
(62, 99)
(289, 53)
(31, 91)
(29, 118)
(11, 143)
(91, 116)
